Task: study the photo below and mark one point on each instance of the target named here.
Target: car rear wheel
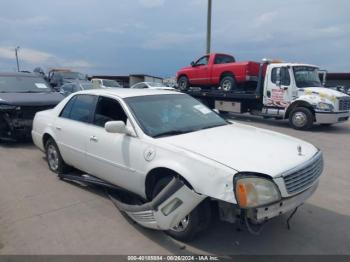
(54, 158)
(183, 83)
(228, 83)
(195, 222)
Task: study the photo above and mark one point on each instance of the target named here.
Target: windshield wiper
(173, 133)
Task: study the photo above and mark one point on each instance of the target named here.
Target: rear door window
(80, 108)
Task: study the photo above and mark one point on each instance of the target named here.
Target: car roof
(128, 92)
(22, 74)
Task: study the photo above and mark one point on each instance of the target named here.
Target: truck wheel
(54, 158)
(301, 118)
(228, 83)
(183, 83)
(195, 222)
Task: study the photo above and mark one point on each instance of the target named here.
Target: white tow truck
(283, 91)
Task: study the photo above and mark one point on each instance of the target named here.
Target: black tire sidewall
(309, 115)
(61, 165)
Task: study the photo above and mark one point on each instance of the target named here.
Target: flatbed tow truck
(290, 91)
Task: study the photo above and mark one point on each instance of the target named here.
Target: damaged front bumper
(167, 209)
(12, 127)
(164, 212)
(262, 214)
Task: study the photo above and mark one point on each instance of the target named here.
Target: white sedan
(180, 157)
(151, 85)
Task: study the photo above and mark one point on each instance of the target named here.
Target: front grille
(302, 178)
(28, 112)
(344, 104)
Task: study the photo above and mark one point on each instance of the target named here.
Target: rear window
(224, 59)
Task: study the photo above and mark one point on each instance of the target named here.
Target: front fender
(207, 178)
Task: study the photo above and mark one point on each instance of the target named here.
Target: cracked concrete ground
(40, 214)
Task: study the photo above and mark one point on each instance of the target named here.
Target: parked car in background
(151, 85)
(217, 70)
(58, 77)
(76, 86)
(105, 83)
(180, 157)
(21, 96)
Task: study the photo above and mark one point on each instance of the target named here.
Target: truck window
(224, 59)
(284, 75)
(202, 61)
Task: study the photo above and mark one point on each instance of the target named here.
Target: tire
(183, 83)
(301, 118)
(54, 158)
(197, 221)
(228, 83)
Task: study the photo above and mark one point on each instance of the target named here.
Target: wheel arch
(181, 75)
(227, 73)
(46, 137)
(298, 103)
(158, 173)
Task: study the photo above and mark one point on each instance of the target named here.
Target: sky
(158, 37)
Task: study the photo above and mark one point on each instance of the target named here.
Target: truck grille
(28, 112)
(302, 178)
(344, 104)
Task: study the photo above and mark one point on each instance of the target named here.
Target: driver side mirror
(118, 127)
(193, 64)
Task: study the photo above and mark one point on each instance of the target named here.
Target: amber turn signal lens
(242, 195)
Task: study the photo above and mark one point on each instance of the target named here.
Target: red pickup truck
(217, 70)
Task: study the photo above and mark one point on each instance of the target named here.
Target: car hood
(246, 148)
(31, 99)
(322, 91)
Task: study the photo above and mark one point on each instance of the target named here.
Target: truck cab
(290, 91)
(294, 91)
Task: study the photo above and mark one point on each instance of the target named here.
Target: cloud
(35, 58)
(151, 3)
(171, 40)
(265, 18)
(26, 21)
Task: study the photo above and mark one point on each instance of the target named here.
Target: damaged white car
(180, 157)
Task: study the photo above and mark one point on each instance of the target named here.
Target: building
(127, 81)
(338, 79)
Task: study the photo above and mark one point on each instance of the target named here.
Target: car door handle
(58, 128)
(93, 139)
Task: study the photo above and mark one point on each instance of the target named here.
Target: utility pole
(16, 52)
(209, 26)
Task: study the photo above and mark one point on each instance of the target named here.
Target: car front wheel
(183, 83)
(195, 222)
(301, 118)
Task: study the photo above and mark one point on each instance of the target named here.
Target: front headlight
(255, 191)
(325, 106)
